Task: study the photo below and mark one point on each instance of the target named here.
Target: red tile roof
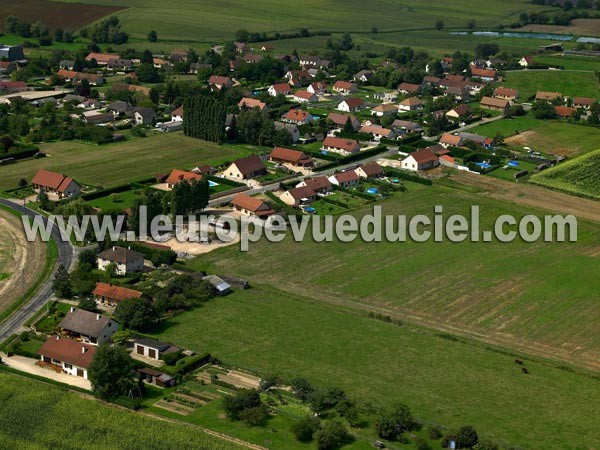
(251, 103)
(253, 204)
(348, 145)
(115, 292)
(51, 180)
(296, 115)
(68, 351)
(424, 156)
(343, 85)
(177, 176)
(287, 154)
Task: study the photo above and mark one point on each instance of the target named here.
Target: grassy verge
(51, 255)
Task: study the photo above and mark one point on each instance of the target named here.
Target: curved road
(66, 256)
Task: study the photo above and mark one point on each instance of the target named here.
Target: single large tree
(111, 372)
(137, 313)
(62, 283)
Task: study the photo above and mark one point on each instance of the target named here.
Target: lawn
(546, 136)
(570, 62)
(211, 20)
(580, 176)
(38, 415)
(569, 83)
(121, 200)
(123, 162)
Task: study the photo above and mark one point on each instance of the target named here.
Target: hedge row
(355, 157)
(116, 189)
(389, 171)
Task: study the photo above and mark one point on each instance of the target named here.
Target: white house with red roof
(55, 183)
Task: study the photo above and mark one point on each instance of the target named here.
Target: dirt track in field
(18, 259)
(530, 195)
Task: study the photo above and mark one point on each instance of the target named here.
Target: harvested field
(21, 262)
(71, 16)
(590, 27)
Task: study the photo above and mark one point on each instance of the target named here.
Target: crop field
(56, 14)
(554, 137)
(211, 20)
(119, 163)
(569, 83)
(451, 382)
(513, 294)
(37, 416)
(580, 176)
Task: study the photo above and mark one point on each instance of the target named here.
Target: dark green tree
(137, 314)
(111, 372)
(62, 283)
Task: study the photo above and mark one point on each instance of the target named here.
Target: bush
(466, 437)
(255, 416)
(243, 400)
(434, 433)
(305, 429)
(332, 435)
(171, 359)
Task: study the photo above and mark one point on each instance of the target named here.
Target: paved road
(66, 256)
(275, 185)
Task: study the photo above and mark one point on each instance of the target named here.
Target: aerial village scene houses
(250, 128)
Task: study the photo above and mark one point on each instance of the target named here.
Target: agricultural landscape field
(578, 176)
(36, 415)
(122, 162)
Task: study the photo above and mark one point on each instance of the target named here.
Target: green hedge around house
(402, 175)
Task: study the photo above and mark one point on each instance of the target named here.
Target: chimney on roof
(98, 316)
(72, 309)
(83, 349)
(114, 248)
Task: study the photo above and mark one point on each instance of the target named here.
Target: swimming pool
(484, 165)
(212, 183)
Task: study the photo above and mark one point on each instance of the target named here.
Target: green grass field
(36, 415)
(570, 62)
(212, 20)
(569, 83)
(539, 298)
(119, 163)
(547, 136)
(580, 176)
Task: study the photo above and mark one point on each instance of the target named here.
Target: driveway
(29, 365)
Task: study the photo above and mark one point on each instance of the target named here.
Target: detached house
(298, 196)
(321, 185)
(71, 356)
(126, 260)
(251, 103)
(110, 295)
(290, 128)
(344, 87)
(495, 104)
(350, 105)
(423, 159)
(408, 88)
(449, 139)
(177, 176)
(218, 83)
(245, 168)
(279, 89)
(297, 116)
(341, 119)
(377, 132)
(506, 93)
(363, 76)
(459, 112)
(87, 326)
(370, 170)
(340, 145)
(584, 102)
(56, 183)
(411, 104)
(548, 96)
(345, 179)
(251, 206)
(386, 109)
(292, 157)
(177, 114)
(305, 97)
(484, 74)
(318, 88)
